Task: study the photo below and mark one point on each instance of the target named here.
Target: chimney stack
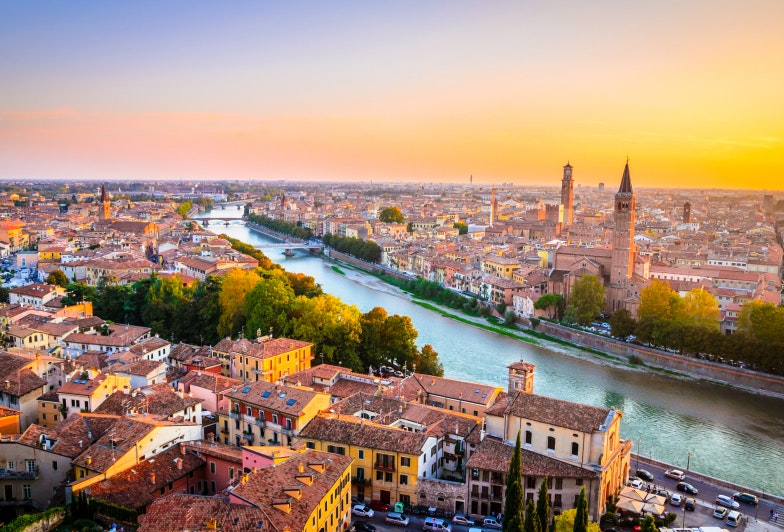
(152, 477)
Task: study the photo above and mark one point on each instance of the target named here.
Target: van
(434, 523)
(734, 518)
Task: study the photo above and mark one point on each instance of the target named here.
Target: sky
(692, 92)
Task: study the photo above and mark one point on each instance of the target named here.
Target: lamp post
(639, 445)
(688, 461)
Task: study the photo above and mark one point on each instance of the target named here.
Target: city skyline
(433, 92)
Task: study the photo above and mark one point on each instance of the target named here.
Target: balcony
(361, 481)
(248, 436)
(385, 466)
(234, 414)
(260, 422)
(286, 431)
(19, 475)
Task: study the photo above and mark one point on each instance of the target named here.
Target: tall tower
(622, 266)
(567, 194)
(492, 206)
(686, 212)
(521, 377)
(106, 208)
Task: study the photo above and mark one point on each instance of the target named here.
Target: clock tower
(567, 194)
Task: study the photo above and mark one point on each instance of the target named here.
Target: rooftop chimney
(152, 477)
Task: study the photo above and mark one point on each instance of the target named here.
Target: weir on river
(730, 433)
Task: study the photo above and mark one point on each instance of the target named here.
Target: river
(719, 431)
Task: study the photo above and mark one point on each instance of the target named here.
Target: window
(551, 443)
(530, 482)
(248, 410)
(54, 465)
(31, 466)
(361, 454)
(388, 477)
(558, 483)
(404, 480)
(557, 501)
(28, 494)
(231, 472)
(405, 461)
(579, 482)
(529, 437)
(379, 475)
(212, 467)
(213, 487)
(275, 418)
(575, 448)
(310, 445)
(433, 451)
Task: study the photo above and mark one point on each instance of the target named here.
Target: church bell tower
(623, 250)
(567, 194)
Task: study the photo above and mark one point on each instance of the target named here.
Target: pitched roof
(359, 432)
(494, 455)
(192, 512)
(555, 412)
(268, 396)
(626, 181)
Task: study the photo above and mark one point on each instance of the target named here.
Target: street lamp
(688, 460)
(639, 445)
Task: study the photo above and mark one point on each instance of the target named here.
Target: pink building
(209, 387)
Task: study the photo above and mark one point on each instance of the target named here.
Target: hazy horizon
(431, 91)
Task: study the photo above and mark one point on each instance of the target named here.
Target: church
(622, 270)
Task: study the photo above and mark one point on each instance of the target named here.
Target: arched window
(575, 448)
(528, 437)
(551, 443)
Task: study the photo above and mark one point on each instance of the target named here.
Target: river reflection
(730, 434)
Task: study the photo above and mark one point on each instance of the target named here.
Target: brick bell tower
(623, 250)
(567, 194)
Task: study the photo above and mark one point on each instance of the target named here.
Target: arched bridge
(218, 221)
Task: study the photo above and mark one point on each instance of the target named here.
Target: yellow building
(499, 266)
(387, 460)
(266, 413)
(309, 492)
(263, 359)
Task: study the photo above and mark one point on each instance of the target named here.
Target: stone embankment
(692, 367)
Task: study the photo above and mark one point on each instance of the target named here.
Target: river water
(728, 433)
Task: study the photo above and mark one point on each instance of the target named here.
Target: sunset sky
(692, 91)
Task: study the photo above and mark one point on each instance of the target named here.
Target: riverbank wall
(693, 367)
(711, 480)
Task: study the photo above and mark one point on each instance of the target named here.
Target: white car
(396, 519)
(676, 499)
(636, 483)
(677, 474)
(460, 519)
(727, 501)
(361, 509)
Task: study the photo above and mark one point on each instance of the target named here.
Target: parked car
(734, 518)
(726, 500)
(379, 506)
(460, 519)
(645, 475)
(362, 526)
(361, 509)
(676, 499)
(662, 492)
(688, 488)
(491, 522)
(439, 525)
(690, 504)
(677, 474)
(720, 512)
(636, 483)
(396, 519)
(748, 498)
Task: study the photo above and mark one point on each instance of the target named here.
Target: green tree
(565, 522)
(332, 326)
(236, 285)
(588, 297)
(622, 323)
(510, 317)
(581, 513)
(543, 505)
(373, 323)
(531, 522)
(184, 208)
(58, 278)
(113, 302)
(4, 294)
(648, 524)
(762, 321)
(570, 315)
(461, 228)
(266, 305)
(78, 292)
(513, 506)
(392, 215)
(553, 303)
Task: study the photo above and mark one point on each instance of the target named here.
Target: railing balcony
(385, 466)
(18, 475)
(234, 414)
(361, 481)
(248, 436)
(260, 422)
(287, 431)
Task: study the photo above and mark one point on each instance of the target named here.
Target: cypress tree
(543, 506)
(531, 518)
(581, 517)
(513, 506)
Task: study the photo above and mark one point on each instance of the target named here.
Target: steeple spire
(103, 192)
(626, 181)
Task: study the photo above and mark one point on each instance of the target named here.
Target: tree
(531, 522)
(58, 278)
(267, 303)
(581, 513)
(236, 285)
(78, 292)
(762, 321)
(648, 524)
(553, 303)
(543, 506)
(513, 506)
(427, 362)
(565, 522)
(510, 317)
(392, 215)
(657, 300)
(588, 297)
(570, 315)
(699, 308)
(622, 323)
(461, 228)
(371, 349)
(184, 208)
(332, 326)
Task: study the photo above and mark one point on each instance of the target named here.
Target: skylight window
(246, 389)
(290, 402)
(265, 395)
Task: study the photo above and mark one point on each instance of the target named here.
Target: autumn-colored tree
(392, 215)
(236, 285)
(658, 300)
(58, 278)
(698, 308)
(565, 522)
(426, 361)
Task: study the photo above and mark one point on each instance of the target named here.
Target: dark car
(748, 498)
(688, 488)
(645, 475)
(690, 504)
(363, 526)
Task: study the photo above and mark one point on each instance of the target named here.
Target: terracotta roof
(411, 388)
(159, 400)
(556, 412)
(359, 432)
(192, 512)
(134, 487)
(495, 455)
(266, 487)
(287, 399)
(209, 381)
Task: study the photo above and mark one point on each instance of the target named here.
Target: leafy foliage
(462, 228)
(513, 506)
(587, 296)
(281, 226)
(392, 215)
(553, 303)
(57, 277)
(356, 247)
